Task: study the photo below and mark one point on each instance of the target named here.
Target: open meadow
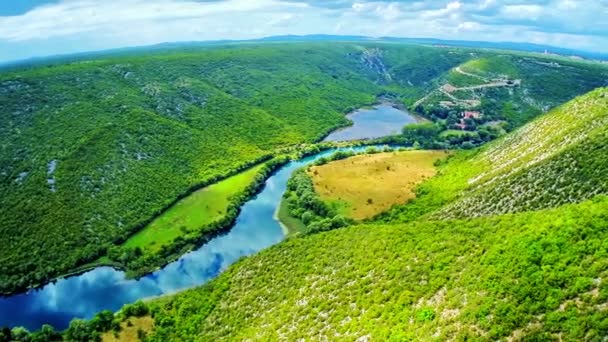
(193, 212)
(363, 186)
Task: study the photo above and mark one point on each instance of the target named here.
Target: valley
(458, 179)
(429, 269)
(255, 228)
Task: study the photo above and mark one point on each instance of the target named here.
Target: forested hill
(538, 274)
(92, 150)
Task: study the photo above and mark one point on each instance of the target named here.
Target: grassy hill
(92, 151)
(536, 274)
(556, 159)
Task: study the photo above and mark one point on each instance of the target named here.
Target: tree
(5, 335)
(20, 334)
(307, 217)
(137, 309)
(46, 334)
(103, 321)
(422, 132)
(80, 331)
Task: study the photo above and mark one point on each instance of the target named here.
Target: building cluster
(467, 115)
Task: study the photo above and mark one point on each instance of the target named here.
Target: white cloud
(522, 11)
(450, 8)
(77, 25)
(71, 17)
(484, 4)
(468, 26)
(388, 12)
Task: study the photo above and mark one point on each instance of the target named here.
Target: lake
(379, 121)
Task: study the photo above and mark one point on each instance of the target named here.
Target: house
(471, 115)
(461, 126)
(467, 115)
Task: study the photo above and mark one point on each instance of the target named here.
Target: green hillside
(539, 275)
(558, 158)
(506, 90)
(536, 275)
(92, 151)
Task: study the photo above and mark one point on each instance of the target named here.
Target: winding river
(84, 295)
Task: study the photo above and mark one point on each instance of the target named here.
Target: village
(461, 105)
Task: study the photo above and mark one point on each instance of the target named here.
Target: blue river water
(380, 121)
(84, 295)
(105, 288)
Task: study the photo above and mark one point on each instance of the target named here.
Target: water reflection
(378, 122)
(105, 288)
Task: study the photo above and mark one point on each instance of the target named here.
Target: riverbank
(291, 226)
(184, 246)
(254, 229)
(98, 261)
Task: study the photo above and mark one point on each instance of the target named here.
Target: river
(84, 295)
(105, 288)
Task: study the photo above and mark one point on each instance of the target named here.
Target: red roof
(469, 115)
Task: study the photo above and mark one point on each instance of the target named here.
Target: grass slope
(363, 186)
(529, 275)
(534, 275)
(546, 82)
(556, 159)
(193, 212)
(132, 330)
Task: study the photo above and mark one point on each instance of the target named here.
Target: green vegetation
(507, 241)
(533, 274)
(494, 66)
(508, 90)
(292, 226)
(530, 275)
(365, 185)
(230, 194)
(303, 204)
(105, 326)
(131, 330)
(197, 210)
(93, 151)
(558, 158)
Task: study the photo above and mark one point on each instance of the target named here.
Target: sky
(30, 28)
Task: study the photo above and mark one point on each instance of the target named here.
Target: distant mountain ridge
(527, 47)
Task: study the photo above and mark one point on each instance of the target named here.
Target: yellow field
(363, 186)
(128, 332)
